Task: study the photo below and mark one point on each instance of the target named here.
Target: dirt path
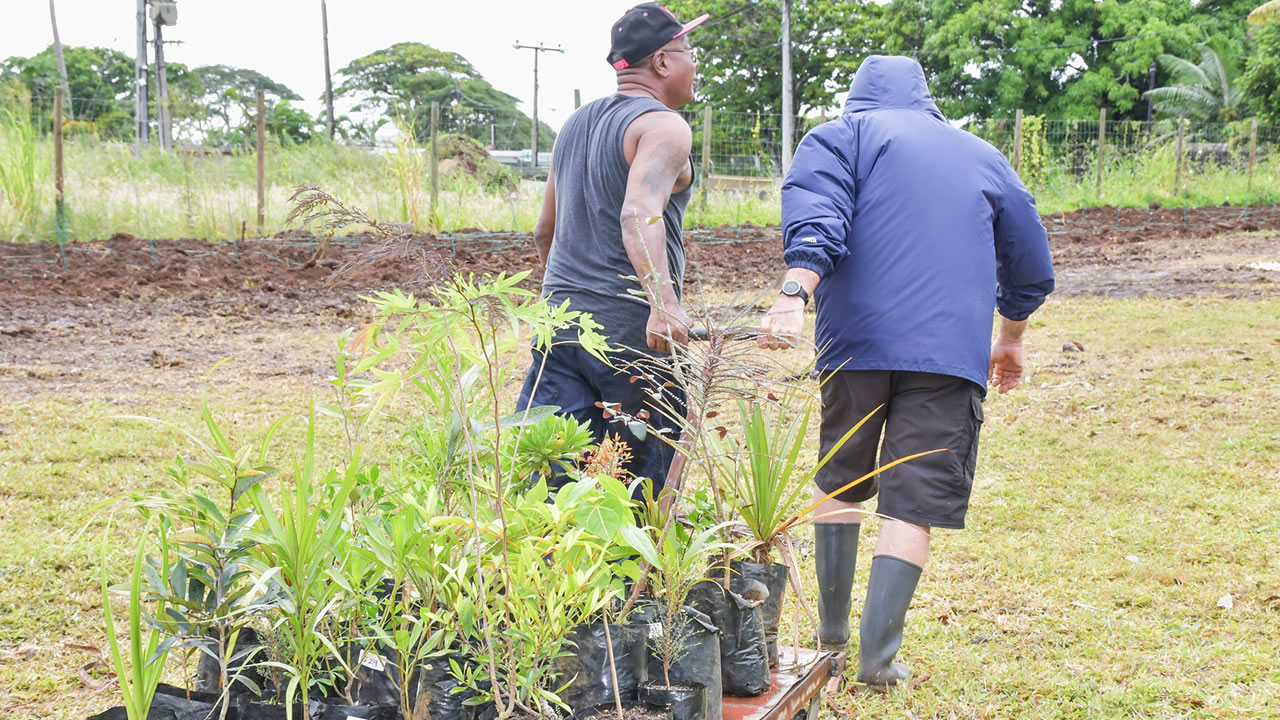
(132, 314)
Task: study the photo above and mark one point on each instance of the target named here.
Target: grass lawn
(1122, 557)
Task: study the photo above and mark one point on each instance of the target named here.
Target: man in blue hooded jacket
(907, 232)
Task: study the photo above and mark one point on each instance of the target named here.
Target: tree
(740, 65)
(217, 104)
(1203, 92)
(1060, 58)
(1265, 13)
(1064, 59)
(740, 68)
(400, 82)
(1261, 79)
(99, 82)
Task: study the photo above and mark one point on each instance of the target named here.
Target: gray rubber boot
(893, 582)
(836, 552)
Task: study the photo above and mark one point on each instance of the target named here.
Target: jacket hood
(890, 81)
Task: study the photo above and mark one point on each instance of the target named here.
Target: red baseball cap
(643, 30)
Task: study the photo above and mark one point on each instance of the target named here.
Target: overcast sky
(282, 38)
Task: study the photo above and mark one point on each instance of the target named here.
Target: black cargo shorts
(922, 411)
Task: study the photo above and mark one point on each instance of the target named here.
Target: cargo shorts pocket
(975, 424)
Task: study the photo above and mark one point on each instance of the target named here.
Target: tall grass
(1138, 180)
(409, 171)
(171, 195)
(20, 194)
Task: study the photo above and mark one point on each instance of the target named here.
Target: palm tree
(1204, 92)
(1264, 12)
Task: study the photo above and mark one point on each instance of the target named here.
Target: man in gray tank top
(620, 164)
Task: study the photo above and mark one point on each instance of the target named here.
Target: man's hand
(1006, 355)
(782, 326)
(1006, 365)
(666, 326)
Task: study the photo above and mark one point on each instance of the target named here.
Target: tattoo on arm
(661, 174)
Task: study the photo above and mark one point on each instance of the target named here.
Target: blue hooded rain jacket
(917, 229)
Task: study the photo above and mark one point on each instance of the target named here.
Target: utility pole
(788, 111)
(140, 109)
(164, 126)
(328, 78)
(536, 49)
(163, 12)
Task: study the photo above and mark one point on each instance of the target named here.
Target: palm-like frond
(1265, 13)
(1204, 92)
(1183, 71)
(1216, 71)
(1195, 103)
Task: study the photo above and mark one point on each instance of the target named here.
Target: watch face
(791, 287)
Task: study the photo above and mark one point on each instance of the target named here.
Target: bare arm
(545, 229)
(662, 151)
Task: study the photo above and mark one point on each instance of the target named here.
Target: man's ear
(662, 64)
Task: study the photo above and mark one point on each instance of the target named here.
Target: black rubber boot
(893, 582)
(836, 552)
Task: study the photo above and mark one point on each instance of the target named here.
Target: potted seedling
(760, 468)
(206, 582)
(138, 682)
(413, 619)
(678, 560)
(298, 548)
(541, 571)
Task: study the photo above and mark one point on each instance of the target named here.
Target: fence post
(435, 160)
(1177, 177)
(1102, 146)
(706, 155)
(1017, 141)
(60, 220)
(262, 161)
(1253, 157)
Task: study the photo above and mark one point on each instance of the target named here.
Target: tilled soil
(128, 313)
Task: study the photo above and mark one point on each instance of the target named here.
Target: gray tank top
(588, 262)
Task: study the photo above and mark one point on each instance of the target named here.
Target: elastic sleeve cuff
(822, 269)
(1018, 307)
(1019, 302)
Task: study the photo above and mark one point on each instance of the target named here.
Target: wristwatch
(795, 289)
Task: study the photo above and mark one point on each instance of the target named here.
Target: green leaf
(246, 483)
(531, 416)
(639, 541)
(600, 521)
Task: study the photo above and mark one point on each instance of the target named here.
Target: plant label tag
(371, 661)
(655, 631)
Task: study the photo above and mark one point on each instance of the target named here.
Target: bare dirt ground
(131, 314)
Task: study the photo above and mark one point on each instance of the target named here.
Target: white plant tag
(371, 661)
(655, 630)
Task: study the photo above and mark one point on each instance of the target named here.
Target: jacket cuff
(823, 269)
(1020, 303)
